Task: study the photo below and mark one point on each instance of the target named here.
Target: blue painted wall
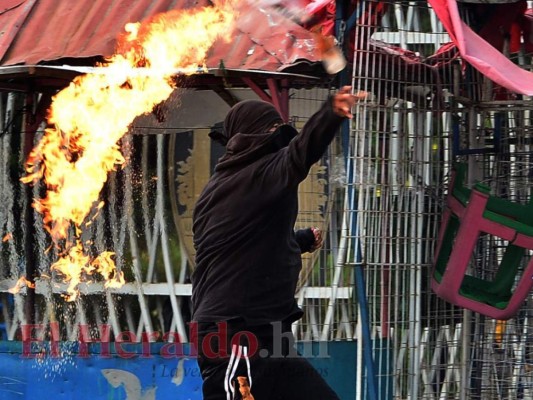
(134, 372)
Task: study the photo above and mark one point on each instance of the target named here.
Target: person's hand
(344, 100)
(318, 239)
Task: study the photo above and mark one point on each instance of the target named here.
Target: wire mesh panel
(399, 153)
(426, 111)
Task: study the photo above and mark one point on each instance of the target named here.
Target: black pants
(265, 355)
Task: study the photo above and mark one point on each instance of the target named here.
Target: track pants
(274, 370)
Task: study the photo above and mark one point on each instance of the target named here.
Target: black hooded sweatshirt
(247, 257)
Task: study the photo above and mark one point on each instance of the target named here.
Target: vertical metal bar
(339, 266)
(360, 285)
(160, 214)
(367, 339)
(29, 218)
(143, 304)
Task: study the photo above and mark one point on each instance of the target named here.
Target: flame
(88, 118)
(7, 237)
(22, 281)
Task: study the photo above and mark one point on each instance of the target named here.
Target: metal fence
(422, 116)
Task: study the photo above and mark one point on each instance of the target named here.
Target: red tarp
(480, 53)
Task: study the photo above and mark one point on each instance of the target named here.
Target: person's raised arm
(316, 135)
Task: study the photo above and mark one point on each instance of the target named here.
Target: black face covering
(250, 117)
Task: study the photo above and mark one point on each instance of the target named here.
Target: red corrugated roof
(52, 31)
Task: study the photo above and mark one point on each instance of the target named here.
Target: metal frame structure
(404, 146)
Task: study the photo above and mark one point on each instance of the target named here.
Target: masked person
(248, 257)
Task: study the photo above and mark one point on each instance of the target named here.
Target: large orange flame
(88, 118)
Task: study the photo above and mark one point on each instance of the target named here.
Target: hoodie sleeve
(316, 135)
(290, 165)
(294, 161)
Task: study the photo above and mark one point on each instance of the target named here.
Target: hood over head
(246, 132)
(251, 117)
